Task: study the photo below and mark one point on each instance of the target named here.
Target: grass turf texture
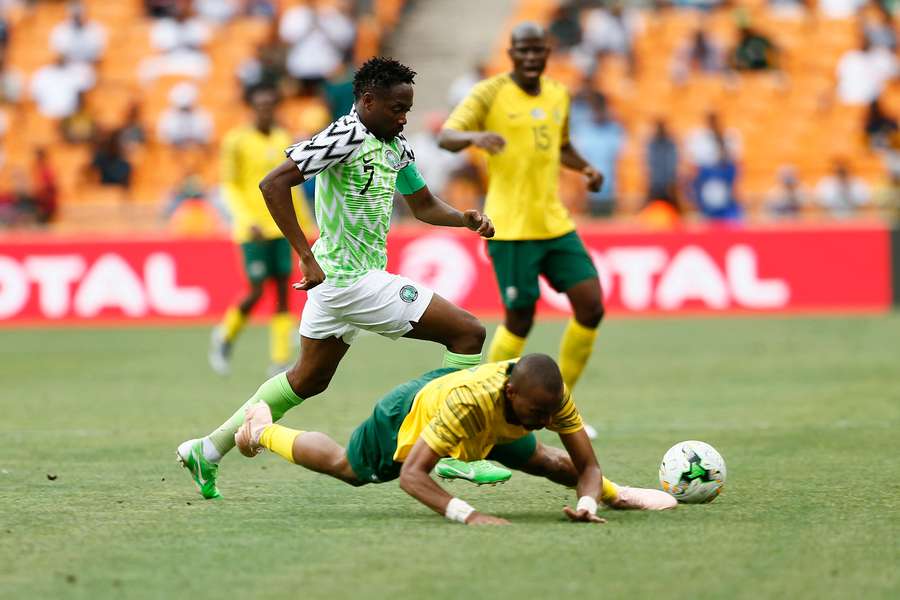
(805, 411)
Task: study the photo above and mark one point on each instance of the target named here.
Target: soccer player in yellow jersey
(489, 411)
(522, 120)
(248, 154)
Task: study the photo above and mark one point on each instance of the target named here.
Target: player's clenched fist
(478, 222)
(594, 178)
(490, 141)
(312, 273)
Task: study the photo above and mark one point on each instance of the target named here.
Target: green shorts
(564, 261)
(267, 258)
(372, 445)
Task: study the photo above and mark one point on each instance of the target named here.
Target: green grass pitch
(805, 411)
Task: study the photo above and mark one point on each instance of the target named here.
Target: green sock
(461, 361)
(276, 392)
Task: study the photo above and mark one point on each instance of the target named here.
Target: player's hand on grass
(582, 516)
(477, 518)
(479, 222)
(594, 178)
(490, 141)
(312, 274)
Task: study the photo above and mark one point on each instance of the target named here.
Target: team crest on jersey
(538, 113)
(391, 157)
(409, 294)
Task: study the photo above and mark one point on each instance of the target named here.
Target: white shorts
(380, 302)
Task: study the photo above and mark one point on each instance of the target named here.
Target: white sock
(209, 451)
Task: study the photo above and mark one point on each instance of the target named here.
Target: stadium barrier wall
(895, 263)
(710, 271)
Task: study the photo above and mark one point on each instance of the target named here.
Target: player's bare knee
(470, 338)
(591, 315)
(307, 384)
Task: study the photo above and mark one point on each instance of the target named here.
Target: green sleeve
(409, 180)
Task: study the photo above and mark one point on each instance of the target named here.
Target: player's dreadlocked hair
(380, 73)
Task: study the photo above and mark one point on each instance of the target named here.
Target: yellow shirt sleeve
(473, 110)
(459, 417)
(567, 419)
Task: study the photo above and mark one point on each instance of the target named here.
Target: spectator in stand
(17, 205)
(881, 128)
(266, 68)
(841, 194)
(787, 199)
(600, 141)
(463, 84)
(662, 165)
(132, 133)
(56, 87)
(180, 41)
(80, 127)
(159, 9)
(11, 82)
(320, 37)
(705, 146)
(887, 197)
(754, 52)
(259, 8)
(608, 31)
(863, 73)
(216, 11)
(44, 188)
(565, 26)
(109, 164)
(77, 39)
(881, 31)
(338, 92)
(4, 31)
(699, 55)
(183, 124)
(715, 178)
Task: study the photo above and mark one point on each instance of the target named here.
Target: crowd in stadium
(723, 111)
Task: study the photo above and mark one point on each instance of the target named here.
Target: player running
(522, 120)
(482, 412)
(359, 161)
(248, 154)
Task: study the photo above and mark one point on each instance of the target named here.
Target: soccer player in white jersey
(359, 161)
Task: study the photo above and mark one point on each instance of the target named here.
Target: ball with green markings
(693, 472)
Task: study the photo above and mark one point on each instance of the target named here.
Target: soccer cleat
(631, 498)
(203, 472)
(219, 352)
(480, 472)
(256, 418)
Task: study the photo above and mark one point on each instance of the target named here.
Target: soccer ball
(693, 472)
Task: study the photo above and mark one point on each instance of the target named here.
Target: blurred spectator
(44, 188)
(320, 37)
(787, 199)
(714, 191)
(880, 31)
(266, 68)
(11, 81)
(841, 194)
(132, 133)
(338, 92)
(189, 188)
(17, 204)
(436, 164)
(56, 87)
(840, 9)
(109, 163)
(565, 26)
(754, 52)
(79, 127)
(705, 146)
(77, 39)
(259, 8)
(662, 165)
(600, 141)
(161, 8)
(887, 197)
(4, 31)
(189, 211)
(180, 39)
(701, 55)
(463, 84)
(183, 124)
(216, 11)
(608, 31)
(881, 128)
(863, 73)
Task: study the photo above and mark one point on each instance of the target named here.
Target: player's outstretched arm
(590, 478)
(455, 140)
(571, 159)
(276, 190)
(428, 208)
(415, 480)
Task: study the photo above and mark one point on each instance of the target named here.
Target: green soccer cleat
(480, 472)
(204, 472)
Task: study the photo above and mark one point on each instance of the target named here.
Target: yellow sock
(575, 350)
(609, 492)
(505, 345)
(281, 328)
(233, 323)
(280, 440)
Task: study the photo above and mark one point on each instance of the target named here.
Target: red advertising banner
(50, 280)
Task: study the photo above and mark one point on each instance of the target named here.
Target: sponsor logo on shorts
(512, 292)
(409, 294)
(257, 268)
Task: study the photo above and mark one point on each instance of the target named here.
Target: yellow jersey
(523, 179)
(248, 155)
(463, 414)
